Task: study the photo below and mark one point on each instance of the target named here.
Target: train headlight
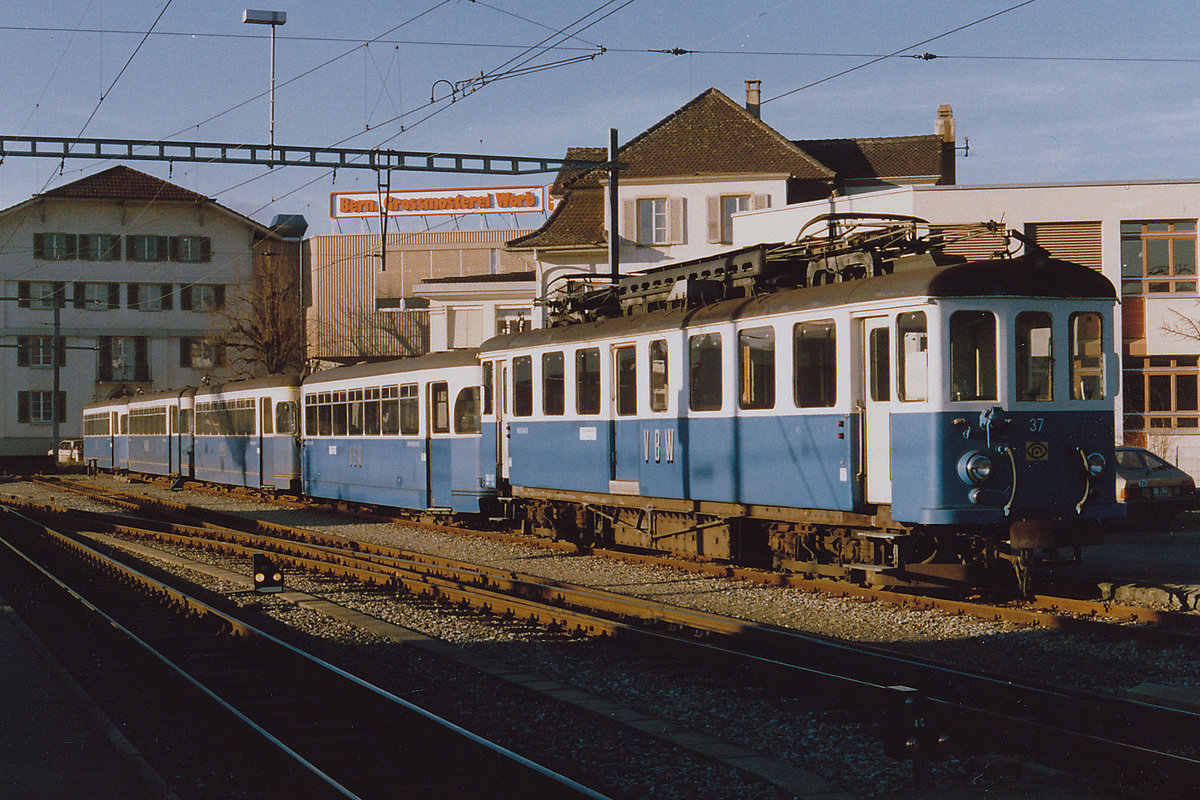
(974, 468)
(1096, 464)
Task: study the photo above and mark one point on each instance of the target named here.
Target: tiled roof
(882, 157)
(577, 222)
(568, 175)
(122, 183)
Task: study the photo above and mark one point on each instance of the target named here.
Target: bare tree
(262, 329)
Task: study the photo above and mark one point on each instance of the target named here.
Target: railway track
(976, 710)
(329, 733)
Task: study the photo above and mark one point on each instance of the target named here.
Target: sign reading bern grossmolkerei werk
(430, 202)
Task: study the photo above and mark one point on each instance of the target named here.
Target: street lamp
(274, 19)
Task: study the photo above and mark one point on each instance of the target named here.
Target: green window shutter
(168, 297)
(22, 406)
(23, 294)
(78, 295)
(105, 345)
(185, 298)
(114, 295)
(60, 406)
(185, 351)
(22, 351)
(173, 248)
(39, 245)
(131, 295)
(218, 297)
(61, 351)
(206, 249)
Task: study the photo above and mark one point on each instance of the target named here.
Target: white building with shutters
(1141, 235)
(141, 271)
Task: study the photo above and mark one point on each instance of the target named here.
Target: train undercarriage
(867, 549)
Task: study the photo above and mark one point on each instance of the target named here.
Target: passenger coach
(246, 433)
(105, 434)
(402, 433)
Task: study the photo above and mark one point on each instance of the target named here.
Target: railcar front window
(285, 417)
(466, 410)
(522, 386)
(658, 375)
(553, 384)
(973, 355)
(704, 372)
(1087, 356)
(912, 373)
(1035, 356)
(587, 380)
(815, 368)
(626, 372)
(756, 368)
(487, 387)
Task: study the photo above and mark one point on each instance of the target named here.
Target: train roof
(165, 394)
(439, 360)
(266, 382)
(1010, 277)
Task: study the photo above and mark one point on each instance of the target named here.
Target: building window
(200, 353)
(511, 320)
(1158, 256)
(54, 246)
(99, 247)
(146, 248)
(38, 351)
(38, 294)
(151, 296)
(191, 249)
(124, 358)
(38, 407)
(652, 221)
(1161, 392)
(202, 297)
(731, 205)
(97, 296)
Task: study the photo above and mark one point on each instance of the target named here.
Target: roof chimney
(945, 123)
(753, 93)
(944, 130)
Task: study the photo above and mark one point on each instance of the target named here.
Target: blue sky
(1053, 90)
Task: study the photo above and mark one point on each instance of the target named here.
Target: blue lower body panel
(232, 460)
(150, 454)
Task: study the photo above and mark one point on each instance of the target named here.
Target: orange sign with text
(430, 202)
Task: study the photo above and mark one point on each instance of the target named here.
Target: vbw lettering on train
(661, 444)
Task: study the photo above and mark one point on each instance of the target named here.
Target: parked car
(1150, 486)
(70, 451)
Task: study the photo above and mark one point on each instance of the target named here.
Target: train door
(876, 409)
(173, 462)
(266, 443)
(625, 434)
(437, 450)
(500, 376)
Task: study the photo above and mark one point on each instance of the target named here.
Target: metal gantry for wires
(267, 155)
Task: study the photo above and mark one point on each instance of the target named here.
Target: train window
(1035, 356)
(553, 384)
(522, 370)
(487, 387)
(389, 411)
(268, 421)
(912, 373)
(1087, 356)
(659, 397)
(704, 372)
(439, 405)
(880, 365)
(466, 410)
(325, 419)
(410, 411)
(625, 372)
(814, 380)
(587, 380)
(185, 420)
(310, 415)
(340, 423)
(174, 419)
(756, 365)
(354, 413)
(124, 424)
(285, 417)
(371, 411)
(972, 355)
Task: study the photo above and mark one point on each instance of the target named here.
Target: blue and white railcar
(157, 443)
(105, 438)
(246, 433)
(909, 423)
(402, 433)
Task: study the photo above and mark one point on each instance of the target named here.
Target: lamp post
(274, 19)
